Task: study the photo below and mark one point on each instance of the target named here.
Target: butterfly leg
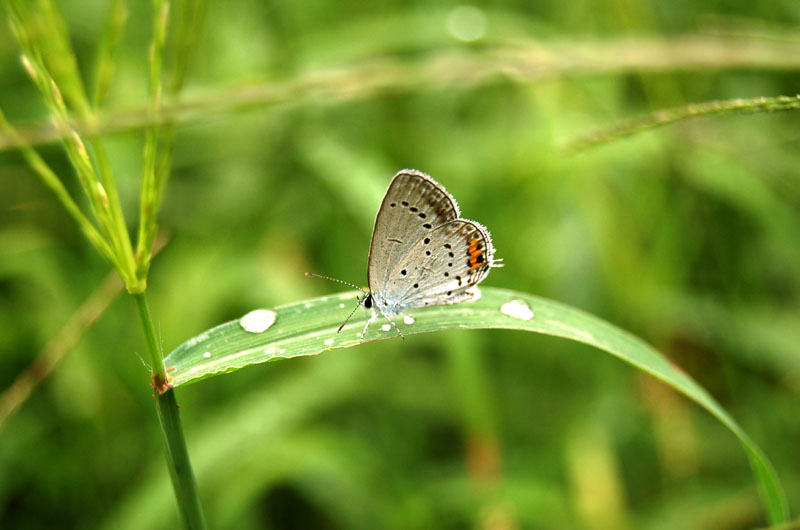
(395, 326)
(369, 321)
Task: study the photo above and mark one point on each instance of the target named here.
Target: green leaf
(310, 327)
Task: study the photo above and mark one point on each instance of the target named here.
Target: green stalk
(149, 200)
(43, 37)
(665, 117)
(180, 467)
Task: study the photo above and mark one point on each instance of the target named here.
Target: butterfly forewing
(440, 267)
(414, 205)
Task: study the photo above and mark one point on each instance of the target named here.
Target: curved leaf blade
(309, 328)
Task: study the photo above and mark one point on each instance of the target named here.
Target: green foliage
(309, 328)
(293, 119)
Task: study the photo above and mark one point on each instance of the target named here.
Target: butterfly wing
(440, 267)
(413, 206)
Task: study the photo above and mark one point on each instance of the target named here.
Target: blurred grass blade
(118, 14)
(52, 181)
(188, 29)
(52, 38)
(526, 62)
(84, 317)
(309, 328)
(665, 117)
(59, 346)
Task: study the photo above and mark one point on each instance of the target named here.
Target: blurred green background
(297, 115)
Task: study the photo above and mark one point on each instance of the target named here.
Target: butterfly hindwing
(439, 268)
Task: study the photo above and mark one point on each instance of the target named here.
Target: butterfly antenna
(360, 301)
(354, 286)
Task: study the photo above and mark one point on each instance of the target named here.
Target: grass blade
(309, 328)
(665, 117)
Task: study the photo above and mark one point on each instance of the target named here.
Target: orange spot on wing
(473, 261)
(474, 253)
(473, 248)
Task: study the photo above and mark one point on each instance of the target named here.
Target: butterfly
(422, 252)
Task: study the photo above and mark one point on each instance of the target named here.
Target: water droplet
(270, 351)
(283, 350)
(517, 309)
(258, 321)
(408, 319)
(328, 342)
(466, 23)
(207, 355)
(386, 327)
(341, 306)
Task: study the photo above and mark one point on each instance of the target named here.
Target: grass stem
(180, 467)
